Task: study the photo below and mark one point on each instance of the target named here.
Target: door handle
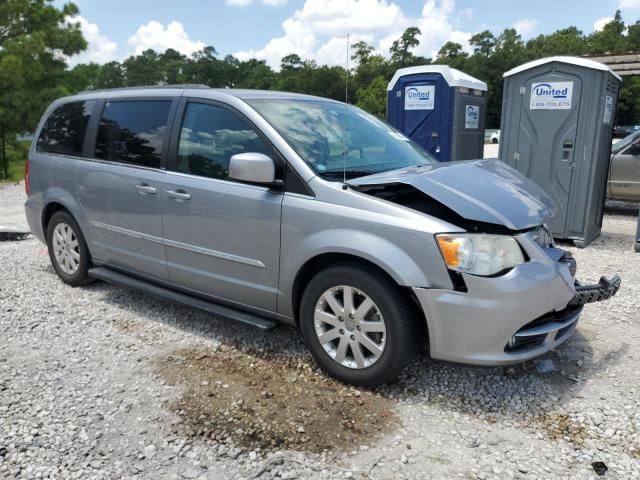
(144, 189)
(179, 194)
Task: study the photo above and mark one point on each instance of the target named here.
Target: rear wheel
(67, 249)
(358, 324)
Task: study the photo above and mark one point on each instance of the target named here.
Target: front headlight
(479, 254)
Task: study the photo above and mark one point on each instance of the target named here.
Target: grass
(17, 154)
(16, 170)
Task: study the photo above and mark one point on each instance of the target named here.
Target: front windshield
(335, 138)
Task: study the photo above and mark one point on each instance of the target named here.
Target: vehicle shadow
(518, 388)
(626, 209)
(534, 387)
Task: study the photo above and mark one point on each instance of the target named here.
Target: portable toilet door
(552, 131)
(421, 103)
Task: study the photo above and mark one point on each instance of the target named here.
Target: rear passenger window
(210, 136)
(64, 130)
(133, 132)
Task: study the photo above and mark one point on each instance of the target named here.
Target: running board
(221, 311)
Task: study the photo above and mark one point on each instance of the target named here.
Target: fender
(69, 202)
(367, 246)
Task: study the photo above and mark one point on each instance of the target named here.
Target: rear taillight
(26, 176)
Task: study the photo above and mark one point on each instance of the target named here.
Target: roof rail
(148, 87)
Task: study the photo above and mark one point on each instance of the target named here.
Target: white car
(495, 137)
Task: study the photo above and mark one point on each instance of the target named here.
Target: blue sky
(270, 29)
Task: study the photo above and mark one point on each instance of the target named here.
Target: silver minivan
(267, 207)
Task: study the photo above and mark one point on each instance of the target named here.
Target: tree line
(36, 39)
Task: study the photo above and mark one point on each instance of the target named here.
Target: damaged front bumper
(603, 290)
(514, 317)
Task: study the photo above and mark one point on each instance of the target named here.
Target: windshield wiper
(348, 174)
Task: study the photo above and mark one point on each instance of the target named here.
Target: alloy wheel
(350, 327)
(66, 248)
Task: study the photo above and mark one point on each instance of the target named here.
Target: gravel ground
(102, 382)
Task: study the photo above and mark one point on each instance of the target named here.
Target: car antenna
(346, 126)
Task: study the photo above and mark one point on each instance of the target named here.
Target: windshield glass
(625, 142)
(332, 136)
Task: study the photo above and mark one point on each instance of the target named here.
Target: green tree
(373, 98)
(567, 41)
(35, 39)
(172, 63)
(483, 43)
(291, 62)
(611, 38)
(362, 52)
(204, 68)
(366, 72)
(111, 75)
(452, 54)
(82, 77)
(400, 50)
(633, 37)
(143, 69)
(255, 74)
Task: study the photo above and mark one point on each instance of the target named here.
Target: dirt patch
(251, 400)
(560, 425)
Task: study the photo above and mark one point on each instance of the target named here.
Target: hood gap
(410, 197)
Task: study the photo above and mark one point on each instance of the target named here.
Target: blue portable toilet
(440, 108)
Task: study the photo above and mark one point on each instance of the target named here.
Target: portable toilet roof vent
(455, 78)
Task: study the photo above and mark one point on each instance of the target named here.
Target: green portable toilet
(556, 127)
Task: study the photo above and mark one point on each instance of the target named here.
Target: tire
(392, 307)
(72, 246)
(494, 140)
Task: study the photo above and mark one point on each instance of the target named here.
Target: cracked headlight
(479, 254)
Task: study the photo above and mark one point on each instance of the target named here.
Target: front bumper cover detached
(603, 290)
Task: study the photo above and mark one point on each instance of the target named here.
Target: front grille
(523, 343)
(563, 331)
(533, 334)
(549, 318)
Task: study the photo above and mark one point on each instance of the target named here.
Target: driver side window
(210, 136)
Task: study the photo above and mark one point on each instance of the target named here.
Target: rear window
(64, 130)
(133, 132)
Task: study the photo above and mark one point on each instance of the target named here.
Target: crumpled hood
(482, 190)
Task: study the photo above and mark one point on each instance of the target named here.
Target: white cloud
(465, 14)
(354, 16)
(319, 28)
(526, 27)
(629, 4)
(156, 36)
(437, 28)
(599, 24)
(238, 3)
(100, 49)
(274, 3)
(334, 51)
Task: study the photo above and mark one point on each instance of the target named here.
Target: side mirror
(254, 168)
(634, 149)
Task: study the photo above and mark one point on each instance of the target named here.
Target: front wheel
(359, 325)
(67, 249)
